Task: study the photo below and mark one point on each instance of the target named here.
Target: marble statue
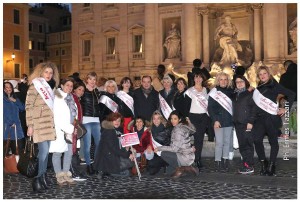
(172, 42)
(293, 36)
(226, 33)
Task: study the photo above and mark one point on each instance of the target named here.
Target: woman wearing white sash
(109, 101)
(167, 93)
(126, 106)
(220, 111)
(39, 116)
(267, 121)
(196, 111)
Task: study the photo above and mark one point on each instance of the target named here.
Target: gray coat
(181, 144)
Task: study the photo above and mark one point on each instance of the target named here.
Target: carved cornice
(257, 6)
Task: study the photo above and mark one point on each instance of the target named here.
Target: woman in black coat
(109, 101)
(111, 158)
(243, 118)
(268, 119)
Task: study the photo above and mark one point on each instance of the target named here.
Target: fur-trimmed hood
(59, 93)
(107, 124)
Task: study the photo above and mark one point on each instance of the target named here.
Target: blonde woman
(39, 116)
(268, 118)
(90, 119)
(220, 111)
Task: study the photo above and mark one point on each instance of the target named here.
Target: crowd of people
(170, 123)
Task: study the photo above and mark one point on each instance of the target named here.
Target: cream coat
(62, 123)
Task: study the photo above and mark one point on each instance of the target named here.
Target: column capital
(203, 10)
(256, 6)
(219, 13)
(249, 9)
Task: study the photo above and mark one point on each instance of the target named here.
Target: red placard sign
(129, 139)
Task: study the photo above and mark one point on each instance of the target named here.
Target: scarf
(140, 133)
(238, 91)
(51, 83)
(157, 129)
(147, 91)
(72, 106)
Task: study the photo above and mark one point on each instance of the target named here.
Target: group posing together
(170, 123)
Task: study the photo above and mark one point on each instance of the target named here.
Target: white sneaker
(230, 156)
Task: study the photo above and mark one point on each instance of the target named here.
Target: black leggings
(245, 140)
(265, 126)
(200, 121)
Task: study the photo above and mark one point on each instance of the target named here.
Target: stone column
(206, 51)
(257, 32)
(271, 33)
(150, 35)
(188, 42)
(123, 49)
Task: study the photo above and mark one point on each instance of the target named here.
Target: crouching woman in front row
(110, 157)
(180, 154)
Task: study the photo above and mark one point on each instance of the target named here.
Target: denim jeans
(223, 139)
(43, 157)
(56, 160)
(93, 129)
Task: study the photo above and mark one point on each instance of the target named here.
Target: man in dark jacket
(197, 68)
(145, 99)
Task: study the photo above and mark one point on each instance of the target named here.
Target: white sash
(127, 99)
(155, 145)
(222, 99)
(113, 106)
(201, 101)
(44, 90)
(164, 106)
(265, 103)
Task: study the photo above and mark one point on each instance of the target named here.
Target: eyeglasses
(237, 82)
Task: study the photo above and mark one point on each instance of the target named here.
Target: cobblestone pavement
(208, 185)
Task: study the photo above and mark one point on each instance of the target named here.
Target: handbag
(81, 131)
(28, 163)
(10, 161)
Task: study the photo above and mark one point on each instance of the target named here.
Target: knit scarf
(140, 132)
(147, 91)
(157, 129)
(72, 106)
(238, 91)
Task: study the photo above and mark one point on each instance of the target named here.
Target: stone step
(287, 148)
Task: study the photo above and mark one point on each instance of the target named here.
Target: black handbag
(28, 162)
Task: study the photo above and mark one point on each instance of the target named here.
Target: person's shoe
(178, 173)
(230, 156)
(271, 169)
(83, 162)
(191, 169)
(44, 182)
(90, 170)
(60, 178)
(246, 169)
(105, 175)
(263, 167)
(68, 177)
(78, 177)
(37, 186)
(225, 165)
(217, 166)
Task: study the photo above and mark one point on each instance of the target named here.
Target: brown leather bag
(10, 161)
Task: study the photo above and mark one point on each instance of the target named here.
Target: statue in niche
(293, 36)
(226, 33)
(172, 42)
(229, 50)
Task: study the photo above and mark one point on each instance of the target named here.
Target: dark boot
(263, 167)
(178, 173)
(225, 165)
(44, 181)
(36, 185)
(191, 169)
(217, 166)
(90, 170)
(271, 169)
